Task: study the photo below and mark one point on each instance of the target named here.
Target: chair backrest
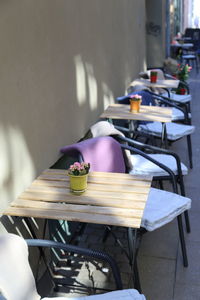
(147, 98)
(103, 153)
(16, 278)
(105, 128)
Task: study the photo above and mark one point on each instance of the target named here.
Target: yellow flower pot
(135, 105)
(78, 184)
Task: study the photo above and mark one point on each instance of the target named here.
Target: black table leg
(132, 244)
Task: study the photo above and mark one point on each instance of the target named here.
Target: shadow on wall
(17, 168)
(87, 88)
(57, 76)
(17, 171)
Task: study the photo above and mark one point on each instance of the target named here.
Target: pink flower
(78, 169)
(77, 164)
(136, 96)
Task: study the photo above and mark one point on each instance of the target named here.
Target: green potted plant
(182, 74)
(78, 173)
(183, 71)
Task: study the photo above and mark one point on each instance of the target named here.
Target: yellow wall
(61, 63)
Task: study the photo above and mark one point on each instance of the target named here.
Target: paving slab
(186, 292)
(194, 236)
(158, 244)
(157, 277)
(190, 275)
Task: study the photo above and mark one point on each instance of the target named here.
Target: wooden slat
(93, 189)
(102, 175)
(73, 216)
(47, 180)
(147, 113)
(111, 211)
(97, 200)
(52, 174)
(44, 184)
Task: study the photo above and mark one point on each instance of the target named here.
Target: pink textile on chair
(103, 153)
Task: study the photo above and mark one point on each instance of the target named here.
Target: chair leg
(189, 108)
(197, 65)
(136, 276)
(106, 234)
(187, 221)
(189, 144)
(134, 239)
(186, 214)
(182, 240)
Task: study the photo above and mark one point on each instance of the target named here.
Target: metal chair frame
(132, 235)
(162, 100)
(168, 102)
(175, 190)
(70, 250)
(153, 149)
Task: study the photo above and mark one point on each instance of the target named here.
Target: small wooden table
(165, 84)
(111, 198)
(147, 113)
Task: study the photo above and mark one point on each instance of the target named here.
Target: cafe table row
(111, 199)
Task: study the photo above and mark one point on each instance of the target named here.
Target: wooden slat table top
(166, 83)
(147, 113)
(111, 198)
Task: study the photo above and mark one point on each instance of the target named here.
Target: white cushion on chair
(17, 281)
(178, 114)
(16, 278)
(142, 166)
(174, 131)
(130, 294)
(162, 207)
(180, 98)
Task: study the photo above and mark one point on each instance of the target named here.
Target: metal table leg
(131, 254)
(133, 250)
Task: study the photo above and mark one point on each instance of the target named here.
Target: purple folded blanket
(103, 153)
